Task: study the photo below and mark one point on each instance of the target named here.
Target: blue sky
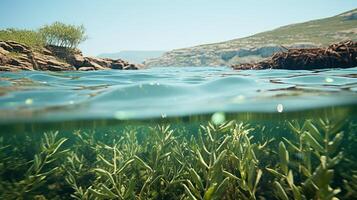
(114, 25)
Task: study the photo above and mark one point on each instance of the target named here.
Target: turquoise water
(179, 133)
(168, 92)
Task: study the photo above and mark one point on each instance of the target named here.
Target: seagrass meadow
(185, 158)
(179, 133)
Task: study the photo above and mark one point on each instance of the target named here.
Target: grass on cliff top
(322, 32)
(31, 38)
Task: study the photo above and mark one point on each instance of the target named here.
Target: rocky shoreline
(338, 55)
(15, 56)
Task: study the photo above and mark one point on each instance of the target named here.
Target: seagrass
(311, 159)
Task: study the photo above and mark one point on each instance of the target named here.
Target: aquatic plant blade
(280, 191)
(313, 142)
(209, 192)
(221, 189)
(284, 158)
(196, 178)
(189, 193)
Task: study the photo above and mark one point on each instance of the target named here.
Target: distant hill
(314, 33)
(133, 56)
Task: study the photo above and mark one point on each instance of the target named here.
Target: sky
(116, 25)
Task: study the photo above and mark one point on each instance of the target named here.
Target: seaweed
(317, 146)
(232, 160)
(40, 169)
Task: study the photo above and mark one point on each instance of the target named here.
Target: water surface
(179, 133)
(169, 92)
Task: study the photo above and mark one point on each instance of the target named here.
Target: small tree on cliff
(63, 35)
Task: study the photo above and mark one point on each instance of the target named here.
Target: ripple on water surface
(31, 96)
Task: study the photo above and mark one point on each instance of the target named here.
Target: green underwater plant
(162, 163)
(232, 160)
(226, 163)
(39, 169)
(244, 164)
(206, 176)
(349, 165)
(317, 146)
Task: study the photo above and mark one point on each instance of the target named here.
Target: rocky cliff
(255, 48)
(15, 56)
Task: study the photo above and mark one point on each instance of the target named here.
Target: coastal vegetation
(28, 37)
(63, 35)
(311, 159)
(56, 34)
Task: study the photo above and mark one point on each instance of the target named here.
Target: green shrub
(63, 35)
(56, 34)
(28, 37)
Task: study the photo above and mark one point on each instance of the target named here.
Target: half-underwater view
(178, 100)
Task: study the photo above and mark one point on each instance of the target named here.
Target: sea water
(179, 133)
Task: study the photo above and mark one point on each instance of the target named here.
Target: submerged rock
(15, 56)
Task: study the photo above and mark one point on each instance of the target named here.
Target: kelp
(313, 159)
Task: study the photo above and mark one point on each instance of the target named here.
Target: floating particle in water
(218, 118)
(121, 115)
(239, 99)
(29, 101)
(71, 102)
(163, 115)
(280, 107)
(329, 80)
(154, 83)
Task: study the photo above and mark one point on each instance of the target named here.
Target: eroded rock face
(3, 59)
(130, 67)
(117, 65)
(5, 46)
(15, 56)
(47, 61)
(96, 63)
